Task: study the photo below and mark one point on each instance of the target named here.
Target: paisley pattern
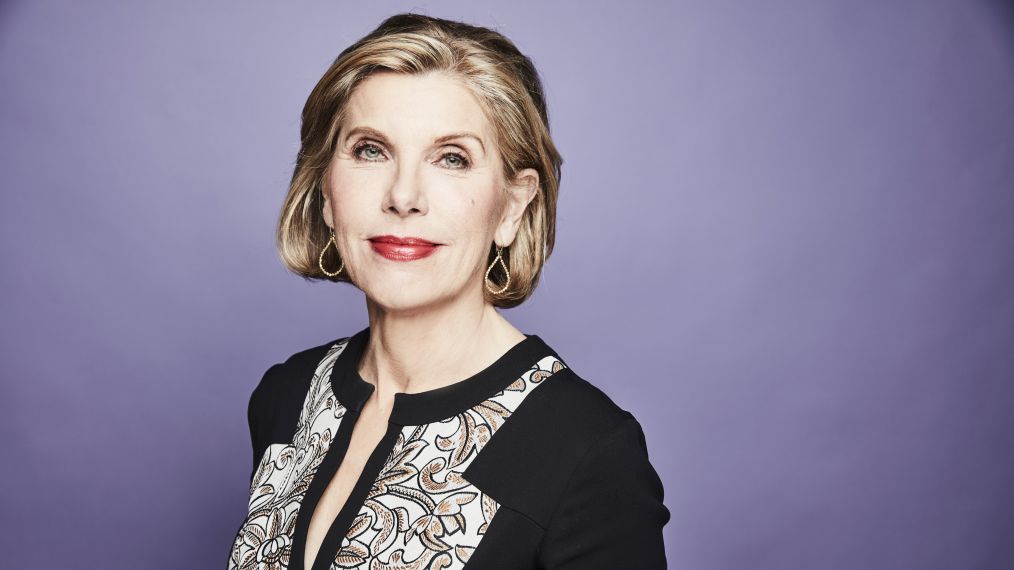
(283, 476)
(420, 511)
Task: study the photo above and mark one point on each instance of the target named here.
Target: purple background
(785, 244)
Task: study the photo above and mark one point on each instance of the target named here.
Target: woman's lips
(402, 251)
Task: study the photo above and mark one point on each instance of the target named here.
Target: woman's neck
(425, 350)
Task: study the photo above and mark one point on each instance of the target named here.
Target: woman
(440, 436)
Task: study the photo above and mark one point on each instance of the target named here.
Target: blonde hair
(510, 93)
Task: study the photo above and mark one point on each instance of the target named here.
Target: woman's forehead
(425, 107)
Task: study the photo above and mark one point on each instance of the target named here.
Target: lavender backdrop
(785, 244)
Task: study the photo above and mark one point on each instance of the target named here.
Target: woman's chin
(410, 296)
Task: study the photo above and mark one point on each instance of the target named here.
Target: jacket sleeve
(258, 415)
(611, 514)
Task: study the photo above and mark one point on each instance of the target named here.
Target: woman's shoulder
(567, 425)
(295, 369)
(572, 403)
(277, 399)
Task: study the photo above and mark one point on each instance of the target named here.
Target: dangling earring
(320, 261)
(507, 271)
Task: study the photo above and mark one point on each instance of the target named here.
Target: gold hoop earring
(507, 271)
(320, 260)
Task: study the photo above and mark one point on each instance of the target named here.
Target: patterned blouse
(522, 465)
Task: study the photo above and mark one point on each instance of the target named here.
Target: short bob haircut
(510, 93)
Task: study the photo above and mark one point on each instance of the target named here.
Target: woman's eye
(456, 161)
(368, 151)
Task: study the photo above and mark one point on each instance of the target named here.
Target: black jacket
(522, 465)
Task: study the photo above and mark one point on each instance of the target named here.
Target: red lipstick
(402, 248)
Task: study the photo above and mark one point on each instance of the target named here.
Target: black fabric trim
(441, 403)
(346, 383)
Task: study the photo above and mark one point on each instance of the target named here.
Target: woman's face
(416, 158)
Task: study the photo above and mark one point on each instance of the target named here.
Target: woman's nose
(406, 194)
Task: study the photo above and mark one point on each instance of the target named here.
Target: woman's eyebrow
(370, 131)
(461, 135)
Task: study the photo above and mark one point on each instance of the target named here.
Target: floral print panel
(284, 474)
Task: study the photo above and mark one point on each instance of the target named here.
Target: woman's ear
(326, 210)
(520, 193)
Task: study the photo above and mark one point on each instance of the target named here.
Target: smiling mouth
(403, 249)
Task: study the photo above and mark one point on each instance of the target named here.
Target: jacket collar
(420, 408)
